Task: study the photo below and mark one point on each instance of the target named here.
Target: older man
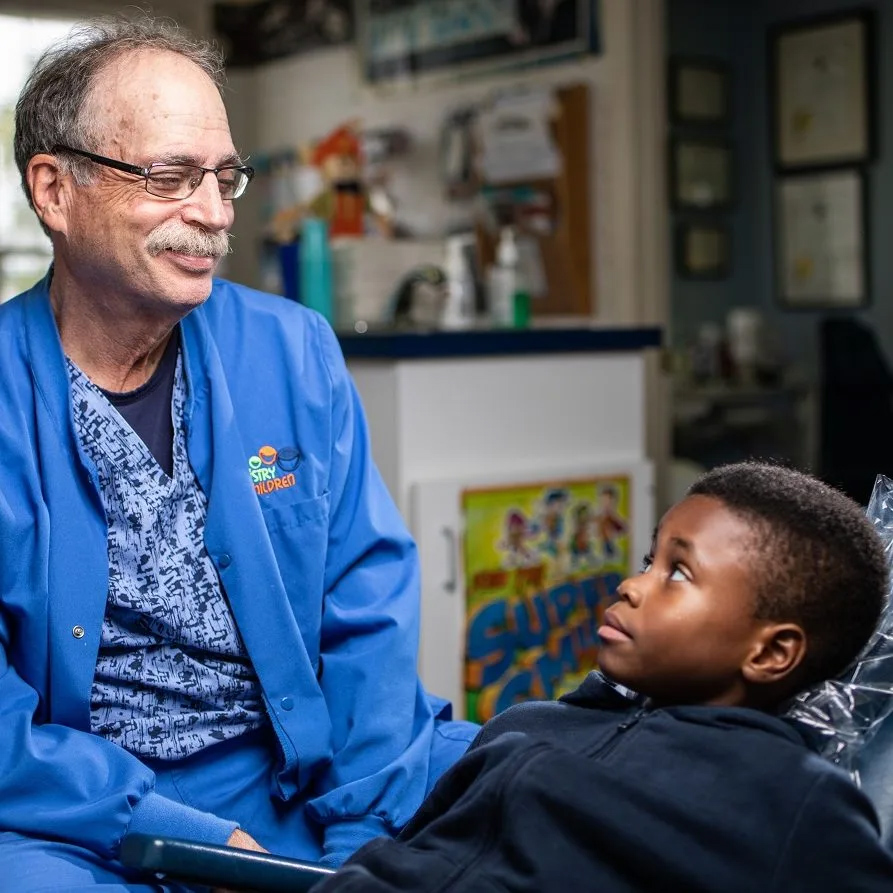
(208, 602)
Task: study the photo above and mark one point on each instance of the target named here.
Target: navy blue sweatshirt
(596, 793)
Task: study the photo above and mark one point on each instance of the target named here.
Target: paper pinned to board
(515, 138)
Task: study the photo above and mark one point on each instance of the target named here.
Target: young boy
(762, 582)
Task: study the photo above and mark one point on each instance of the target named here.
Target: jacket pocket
(282, 513)
(299, 537)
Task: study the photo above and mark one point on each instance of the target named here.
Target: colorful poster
(542, 563)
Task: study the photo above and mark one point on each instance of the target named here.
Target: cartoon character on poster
(516, 552)
(609, 522)
(581, 544)
(551, 521)
(538, 580)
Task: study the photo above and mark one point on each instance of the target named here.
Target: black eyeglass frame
(145, 172)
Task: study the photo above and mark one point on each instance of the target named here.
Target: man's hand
(242, 841)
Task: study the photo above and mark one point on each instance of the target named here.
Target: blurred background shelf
(726, 422)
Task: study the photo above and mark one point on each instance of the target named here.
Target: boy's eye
(678, 576)
(647, 561)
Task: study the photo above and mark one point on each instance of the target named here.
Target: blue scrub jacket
(319, 569)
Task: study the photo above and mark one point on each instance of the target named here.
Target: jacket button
(225, 559)
(78, 632)
(287, 703)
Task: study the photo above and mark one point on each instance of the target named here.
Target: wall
(301, 97)
(799, 329)
(726, 31)
(736, 30)
(298, 98)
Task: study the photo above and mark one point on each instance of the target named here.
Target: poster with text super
(542, 563)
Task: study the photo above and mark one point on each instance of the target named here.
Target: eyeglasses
(176, 181)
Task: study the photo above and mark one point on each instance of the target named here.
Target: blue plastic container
(316, 267)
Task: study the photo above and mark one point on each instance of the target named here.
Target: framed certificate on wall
(822, 76)
(703, 250)
(699, 91)
(701, 173)
(820, 237)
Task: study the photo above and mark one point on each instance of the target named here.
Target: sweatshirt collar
(598, 691)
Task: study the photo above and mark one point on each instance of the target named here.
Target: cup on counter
(744, 330)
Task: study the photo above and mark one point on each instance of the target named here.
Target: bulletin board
(565, 250)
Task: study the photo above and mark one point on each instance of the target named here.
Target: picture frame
(400, 39)
(821, 239)
(822, 73)
(701, 173)
(699, 91)
(703, 250)
(257, 31)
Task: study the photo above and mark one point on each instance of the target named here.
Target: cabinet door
(435, 508)
(438, 523)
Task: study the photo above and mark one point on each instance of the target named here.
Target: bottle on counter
(458, 311)
(509, 301)
(316, 267)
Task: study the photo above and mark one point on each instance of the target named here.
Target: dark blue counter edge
(429, 345)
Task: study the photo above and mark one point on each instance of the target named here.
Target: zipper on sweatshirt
(620, 731)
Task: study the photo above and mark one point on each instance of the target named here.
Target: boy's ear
(777, 651)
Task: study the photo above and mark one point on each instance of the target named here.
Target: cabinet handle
(450, 583)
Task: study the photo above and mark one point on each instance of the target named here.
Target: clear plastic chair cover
(843, 714)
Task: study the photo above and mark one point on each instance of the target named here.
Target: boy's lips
(612, 628)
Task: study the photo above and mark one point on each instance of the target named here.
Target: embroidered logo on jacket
(273, 469)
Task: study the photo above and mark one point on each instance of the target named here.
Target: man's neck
(118, 351)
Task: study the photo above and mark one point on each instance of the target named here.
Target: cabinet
(440, 528)
(450, 411)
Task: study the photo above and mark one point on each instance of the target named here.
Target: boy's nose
(629, 592)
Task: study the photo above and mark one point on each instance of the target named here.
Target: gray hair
(53, 106)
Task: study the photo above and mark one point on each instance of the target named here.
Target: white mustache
(191, 240)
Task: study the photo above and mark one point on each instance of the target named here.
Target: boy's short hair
(818, 561)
